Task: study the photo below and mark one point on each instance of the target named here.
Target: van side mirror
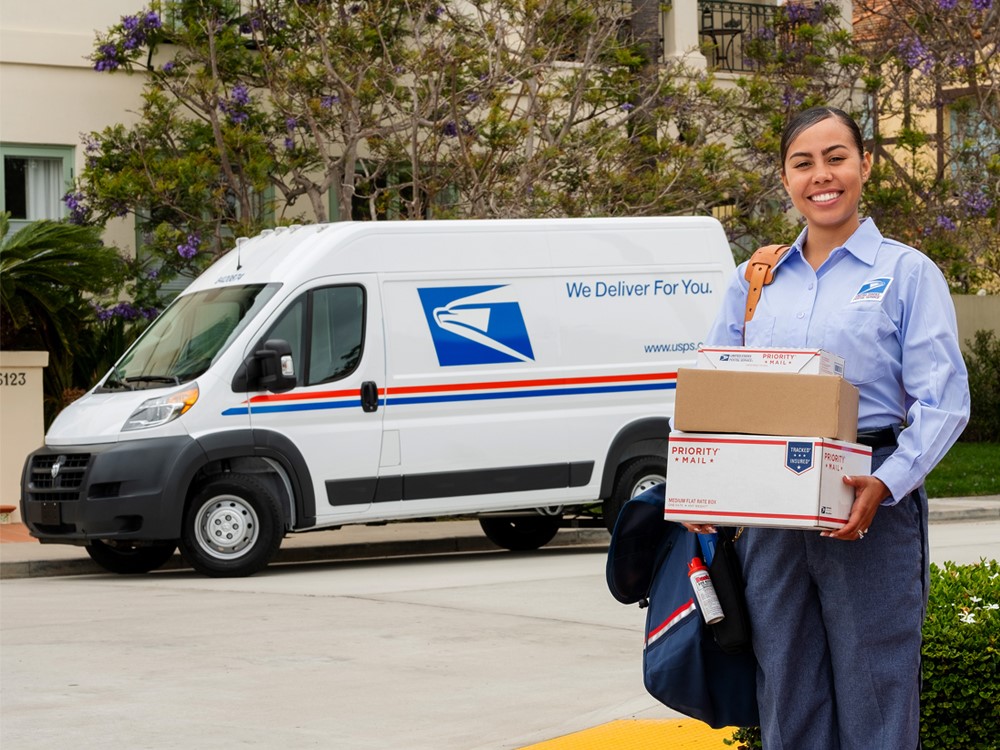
(276, 366)
(269, 367)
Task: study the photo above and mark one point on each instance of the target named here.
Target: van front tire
(232, 528)
(130, 558)
(520, 533)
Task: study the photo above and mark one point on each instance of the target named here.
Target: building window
(35, 178)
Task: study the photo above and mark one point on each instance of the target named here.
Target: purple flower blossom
(977, 202)
(915, 55)
(153, 274)
(450, 129)
(152, 20)
(328, 101)
(241, 95)
(627, 107)
(946, 224)
(289, 144)
(168, 66)
(78, 211)
(792, 98)
(947, 4)
(291, 123)
(234, 107)
(189, 248)
(982, 5)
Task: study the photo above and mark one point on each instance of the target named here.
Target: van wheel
(232, 528)
(635, 477)
(130, 558)
(520, 533)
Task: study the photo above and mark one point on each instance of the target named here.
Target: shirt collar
(863, 244)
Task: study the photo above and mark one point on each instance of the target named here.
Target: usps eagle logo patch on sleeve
(873, 290)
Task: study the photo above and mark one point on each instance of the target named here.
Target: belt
(884, 437)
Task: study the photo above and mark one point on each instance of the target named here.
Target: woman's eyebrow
(824, 152)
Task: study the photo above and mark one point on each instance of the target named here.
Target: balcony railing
(724, 28)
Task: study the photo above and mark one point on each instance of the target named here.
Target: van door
(334, 413)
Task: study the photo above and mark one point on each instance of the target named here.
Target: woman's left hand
(869, 492)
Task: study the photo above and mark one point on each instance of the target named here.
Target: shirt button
(810, 285)
(800, 315)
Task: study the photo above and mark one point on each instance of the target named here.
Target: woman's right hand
(699, 528)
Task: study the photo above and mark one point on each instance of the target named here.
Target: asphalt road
(468, 651)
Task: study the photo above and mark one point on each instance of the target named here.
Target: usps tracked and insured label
(798, 456)
(476, 325)
(618, 288)
(873, 290)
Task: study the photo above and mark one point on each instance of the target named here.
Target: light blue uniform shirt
(886, 309)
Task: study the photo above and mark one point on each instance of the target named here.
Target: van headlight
(160, 410)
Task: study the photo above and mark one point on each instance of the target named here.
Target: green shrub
(960, 700)
(983, 361)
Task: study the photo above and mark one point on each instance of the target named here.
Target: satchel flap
(635, 547)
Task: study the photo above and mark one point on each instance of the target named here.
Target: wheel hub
(227, 527)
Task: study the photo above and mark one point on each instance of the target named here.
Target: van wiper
(115, 381)
(172, 379)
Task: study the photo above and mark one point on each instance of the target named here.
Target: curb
(593, 538)
(303, 552)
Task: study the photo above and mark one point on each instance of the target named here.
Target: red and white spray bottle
(701, 582)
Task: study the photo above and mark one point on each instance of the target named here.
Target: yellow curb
(642, 734)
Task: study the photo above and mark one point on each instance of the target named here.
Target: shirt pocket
(759, 331)
(856, 335)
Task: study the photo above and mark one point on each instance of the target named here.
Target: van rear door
(334, 413)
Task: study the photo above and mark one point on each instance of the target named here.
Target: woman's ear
(866, 167)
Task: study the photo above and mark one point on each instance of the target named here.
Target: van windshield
(187, 338)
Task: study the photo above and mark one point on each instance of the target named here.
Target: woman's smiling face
(823, 173)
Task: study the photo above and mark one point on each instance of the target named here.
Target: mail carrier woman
(837, 615)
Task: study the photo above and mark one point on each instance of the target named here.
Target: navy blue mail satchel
(683, 666)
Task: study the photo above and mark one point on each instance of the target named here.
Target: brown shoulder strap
(760, 273)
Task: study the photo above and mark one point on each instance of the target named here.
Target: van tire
(232, 528)
(130, 558)
(520, 533)
(634, 478)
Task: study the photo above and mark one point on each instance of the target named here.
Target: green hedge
(960, 701)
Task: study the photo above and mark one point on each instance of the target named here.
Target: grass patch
(968, 469)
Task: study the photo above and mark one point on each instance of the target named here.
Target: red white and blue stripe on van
(302, 400)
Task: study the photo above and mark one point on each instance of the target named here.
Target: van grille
(45, 482)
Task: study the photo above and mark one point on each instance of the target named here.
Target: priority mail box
(765, 403)
(802, 361)
(752, 480)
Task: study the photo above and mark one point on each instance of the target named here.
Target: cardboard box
(749, 480)
(802, 361)
(765, 403)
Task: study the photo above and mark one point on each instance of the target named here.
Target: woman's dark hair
(809, 117)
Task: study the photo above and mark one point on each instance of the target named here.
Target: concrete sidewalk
(22, 557)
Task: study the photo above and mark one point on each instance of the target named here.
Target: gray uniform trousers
(837, 630)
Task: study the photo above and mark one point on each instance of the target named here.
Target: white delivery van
(315, 376)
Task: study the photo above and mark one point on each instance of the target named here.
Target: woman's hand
(699, 528)
(869, 492)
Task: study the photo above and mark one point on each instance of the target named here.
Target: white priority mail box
(762, 480)
(802, 361)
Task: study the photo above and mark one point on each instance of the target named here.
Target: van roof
(295, 253)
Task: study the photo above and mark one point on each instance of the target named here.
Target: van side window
(334, 318)
(337, 332)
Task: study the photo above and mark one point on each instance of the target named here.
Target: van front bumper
(132, 490)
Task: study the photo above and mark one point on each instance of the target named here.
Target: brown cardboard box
(766, 403)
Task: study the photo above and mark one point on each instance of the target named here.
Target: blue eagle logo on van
(475, 325)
